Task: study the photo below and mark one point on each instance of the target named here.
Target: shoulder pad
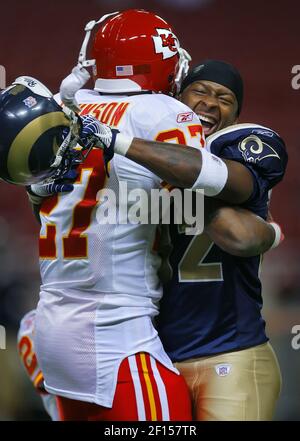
(253, 141)
(254, 145)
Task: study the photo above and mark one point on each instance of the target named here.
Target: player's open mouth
(209, 124)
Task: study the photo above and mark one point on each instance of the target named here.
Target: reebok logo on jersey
(165, 43)
(184, 117)
(223, 369)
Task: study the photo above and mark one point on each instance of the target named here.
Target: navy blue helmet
(36, 133)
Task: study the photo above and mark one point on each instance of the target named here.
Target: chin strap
(79, 75)
(71, 84)
(88, 29)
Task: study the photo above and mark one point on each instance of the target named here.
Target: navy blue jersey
(213, 301)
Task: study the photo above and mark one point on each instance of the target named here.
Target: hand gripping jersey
(100, 288)
(213, 302)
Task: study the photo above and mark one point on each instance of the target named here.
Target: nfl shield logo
(30, 101)
(223, 369)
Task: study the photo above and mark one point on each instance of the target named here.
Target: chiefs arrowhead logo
(165, 43)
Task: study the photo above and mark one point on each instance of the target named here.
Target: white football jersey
(100, 289)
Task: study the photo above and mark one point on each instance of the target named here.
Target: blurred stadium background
(262, 39)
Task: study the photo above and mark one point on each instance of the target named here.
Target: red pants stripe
(146, 391)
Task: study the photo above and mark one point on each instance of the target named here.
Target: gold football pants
(234, 386)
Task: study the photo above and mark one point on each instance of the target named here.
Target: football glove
(99, 135)
(37, 192)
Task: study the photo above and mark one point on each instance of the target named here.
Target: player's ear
(236, 119)
(179, 97)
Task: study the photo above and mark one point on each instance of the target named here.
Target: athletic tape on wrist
(278, 234)
(122, 143)
(213, 175)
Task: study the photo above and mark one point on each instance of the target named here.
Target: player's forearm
(187, 167)
(176, 164)
(239, 184)
(240, 232)
(180, 165)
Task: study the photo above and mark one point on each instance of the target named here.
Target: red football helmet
(134, 51)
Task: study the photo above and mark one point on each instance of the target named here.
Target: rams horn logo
(18, 163)
(254, 149)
